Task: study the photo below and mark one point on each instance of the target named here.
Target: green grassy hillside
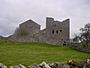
(29, 53)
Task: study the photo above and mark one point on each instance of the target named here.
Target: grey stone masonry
(56, 32)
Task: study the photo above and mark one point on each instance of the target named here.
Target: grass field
(12, 53)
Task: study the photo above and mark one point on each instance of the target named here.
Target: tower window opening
(60, 30)
(52, 31)
(57, 31)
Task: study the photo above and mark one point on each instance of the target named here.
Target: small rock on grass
(18, 66)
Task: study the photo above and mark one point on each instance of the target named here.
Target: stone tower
(59, 31)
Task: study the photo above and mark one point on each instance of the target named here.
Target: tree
(84, 36)
(21, 32)
(76, 38)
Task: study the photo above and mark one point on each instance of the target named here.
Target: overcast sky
(14, 12)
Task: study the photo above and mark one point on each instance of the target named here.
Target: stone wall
(70, 64)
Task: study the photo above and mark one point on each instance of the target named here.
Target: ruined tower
(58, 30)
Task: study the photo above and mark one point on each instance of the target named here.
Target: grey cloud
(13, 12)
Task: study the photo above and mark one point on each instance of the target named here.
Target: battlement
(50, 21)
